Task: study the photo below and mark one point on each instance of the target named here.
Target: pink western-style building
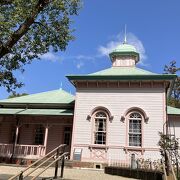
(115, 113)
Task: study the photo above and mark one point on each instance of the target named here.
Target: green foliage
(17, 95)
(29, 29)
(167, 142)
(169, 148)
(174, 100)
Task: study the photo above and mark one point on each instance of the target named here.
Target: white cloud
(79, 60)
(79, 65)
(84, 57)
(50, 56)
(79, 57)
(132, 39)
(104, 50)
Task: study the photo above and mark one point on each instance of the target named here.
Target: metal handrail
(38, 166)
(21, 172)
(62, 156)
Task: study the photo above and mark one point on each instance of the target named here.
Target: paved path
(69, 174)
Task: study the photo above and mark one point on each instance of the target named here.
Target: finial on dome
(125, 38)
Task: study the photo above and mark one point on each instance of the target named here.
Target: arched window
(100, 121)
(135, 129)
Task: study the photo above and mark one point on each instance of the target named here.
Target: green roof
(10, 111)
(173, 111)
(122, 73)
(124, 49)
(44, 112)
(50, 97)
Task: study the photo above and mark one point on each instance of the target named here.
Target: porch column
(16, 138)
(17, 133)
(46, 137)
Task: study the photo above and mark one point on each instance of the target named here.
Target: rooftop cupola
(124, 55)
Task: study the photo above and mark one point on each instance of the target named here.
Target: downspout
(167, 96)
(15, 140)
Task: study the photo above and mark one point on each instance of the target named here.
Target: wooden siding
(153, 155)
(174, 123)
(124, 62)
(27, 134)
(6, 126)
(55, 137)
(118, 101)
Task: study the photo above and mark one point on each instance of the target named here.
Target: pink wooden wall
(118, 101)
(5, 133)
(174, 123)
(55, 137)
(26, 134)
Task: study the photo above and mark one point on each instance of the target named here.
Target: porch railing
(6, 150)
(22, 151)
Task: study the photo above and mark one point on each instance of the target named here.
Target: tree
(169, 151)
(17, 95)
(175, 96)
(29, 29)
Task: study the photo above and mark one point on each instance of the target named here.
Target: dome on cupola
(125, 48)
(124, 55)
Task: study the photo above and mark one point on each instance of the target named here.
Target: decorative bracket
(122, 119)
(146, 120)
(88, 117)
(111, 118)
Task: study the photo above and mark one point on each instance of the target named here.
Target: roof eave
(117, 77)
(43, 105)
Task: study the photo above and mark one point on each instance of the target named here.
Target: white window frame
(134, 131)
(103, 131)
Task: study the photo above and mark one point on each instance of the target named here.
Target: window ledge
(134, 148)
(98, 146)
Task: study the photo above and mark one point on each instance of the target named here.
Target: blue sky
(152, 26)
